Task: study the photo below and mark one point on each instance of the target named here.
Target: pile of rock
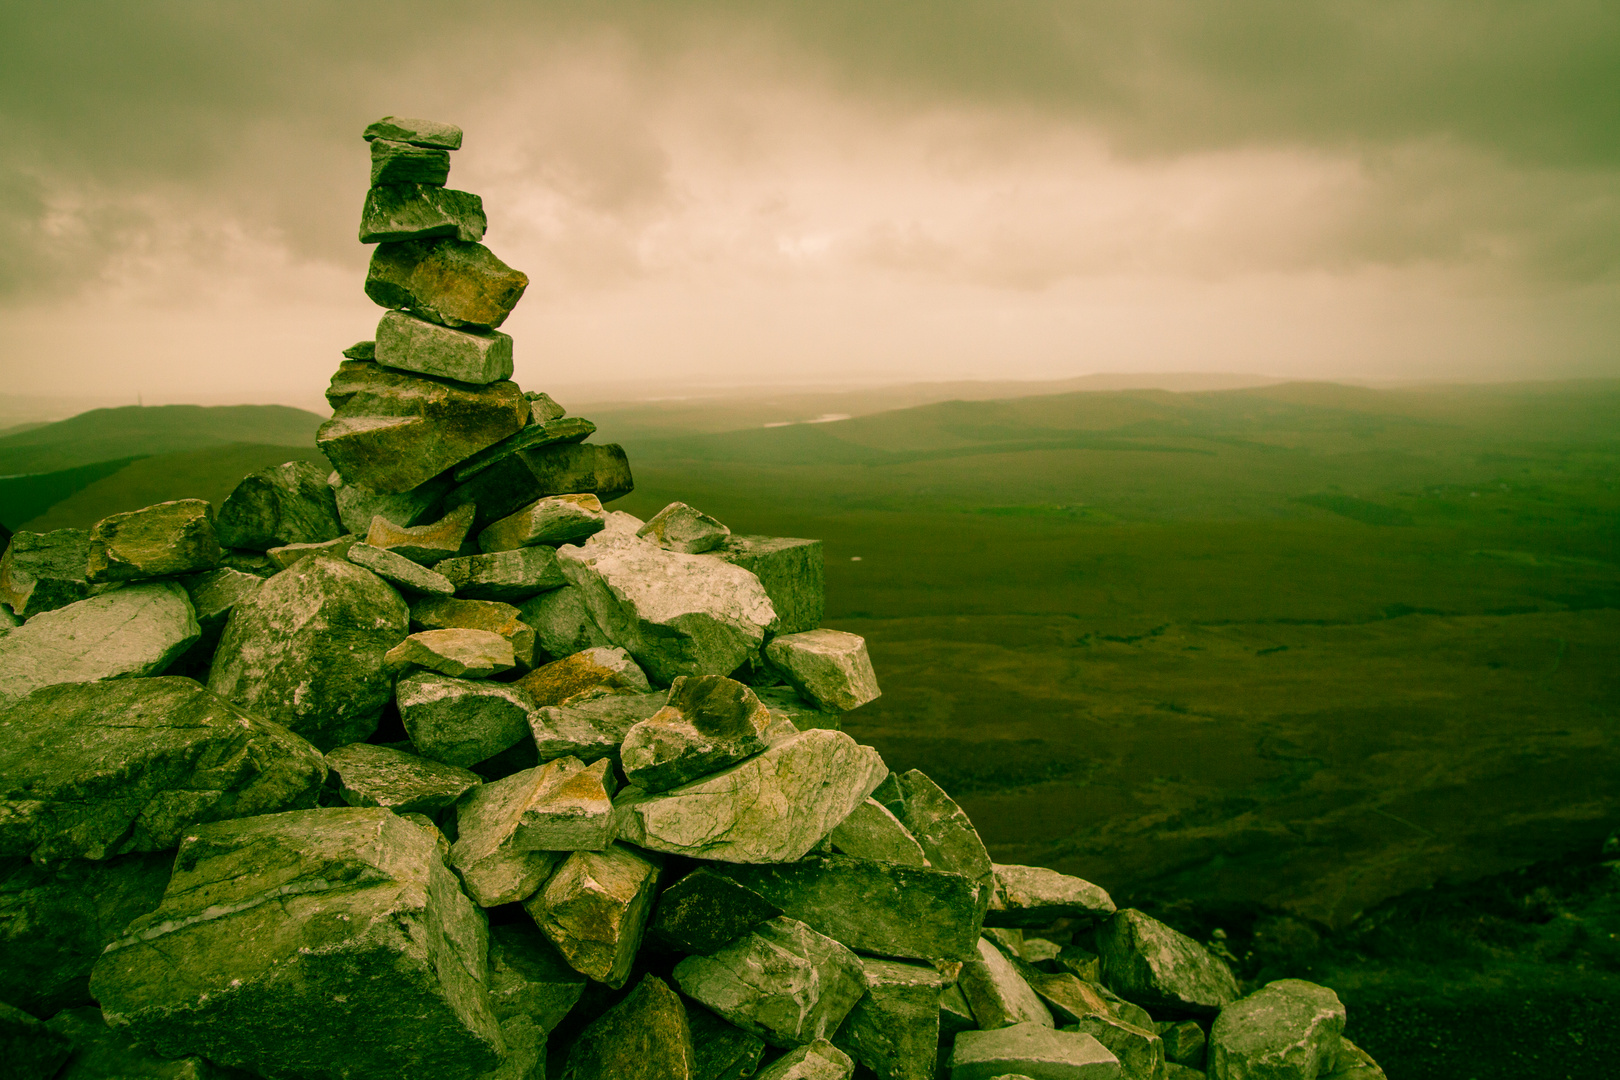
(436, 767)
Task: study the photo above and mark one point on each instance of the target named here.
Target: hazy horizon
(711, 193)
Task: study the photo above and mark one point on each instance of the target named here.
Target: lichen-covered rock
(423, 544)
(343, 925)
(1140, 1050)
(460, 721)
(871, 831)
(773, 807)
(398, 570)
(944, 831)
(820, 1060)
(1036, 896)
(477, 357)
(108, 768)
(407, 129)
(1353, 1063)
(44, 571)
(286, 504)
(421, 212)
(594, 909)
(30, 1050)
(792, 571)
(402, 163)
(710, 722)
(556, 467)
(370, 775)
(1070, 997)
(469, 654)
(643, 1037)
(358, 505)
(588, 669)
(561, 622)
(591, 725)
(307, 650)
(511, 829)
(829, 667)
(705, 911)
(1287, 1030)
(447, 613)
(554, 520)
(1148, 963)
(894, 1029)
(1032, 1050)
(528, 977)
(512, 576)
(678, 527)
(998, 995)
(169, 538)
(131, 632)
(449, 281)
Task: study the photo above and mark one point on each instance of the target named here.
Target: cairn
(436, 767)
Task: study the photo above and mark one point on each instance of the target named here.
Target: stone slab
(445, 281)
(406, 343)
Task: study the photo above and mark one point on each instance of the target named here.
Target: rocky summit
(436, 765)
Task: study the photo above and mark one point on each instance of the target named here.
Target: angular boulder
(343, 925)
(829, 667)
(709, 723)
(998, 994)
(131, 632)
(705, 911)
(554, 520)
(527, 976)
(505, 575)
(1148, 963)
(894, 1029)
(820, 1060)
(460, 721)
(460, 654)
(560, 680)
(98, 769)
(1036, 896)
(944, 831)
(479, 357)
(539, 433)
(1288, 1030)
(286, 504)
(871, 831)
(1140, 1050)
(169, 538)
(421, 212)
(590, 726)
(448, 281)
(358, 505)
(491, 853)
(514, 480)
(771, 808)
(792, 571)
(723, 1051)
(643, 1037)
(44, 571)
(1184, 1043)
(307, 650)
(370, 775)
(402, 163)
(446, 613)
(424, 544)
(594, 909)
(678, 527)
(1032, 1050)
(408, 129)
(562, 623)
(399, 571)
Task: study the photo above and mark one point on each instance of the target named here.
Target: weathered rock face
(829, 667)
(32, 1051)
(791, 570)
(1140, 1051)
(709, 723)
(945, 833)
(594, 909)
(470, 654)
(527, 976)
(469, 356)
(512, 576)
(1287, 1029)
(421, 212)
(404, 783)
(448, 281)
(998, 995)
(44, 571)
(496, 863)
(460, 721)
(1034, 1051)
(539, 434)
(588, 669)
(169, 538)
(108, 768)
(705, 911)
(424, 544)
(307, 650)
(724, 1051)
(401, 163)
(894, 1029)
(514, 480)
(678, 527)
(554, 520)
(1184, 1044)
(54, 922)
(131, 632)
(772, 808)
(590, 727)
(287, 554)
(341, 924)
(102, 1053)
(358, 505)
(784, 982)
(287, 504)
(391, 431)
(445, 613)
(643, 1037)
(1036, 896)
(561, 622)
(399, 571)
(408, 129)
(820, 1060)
(1148, 963)
(871, 831)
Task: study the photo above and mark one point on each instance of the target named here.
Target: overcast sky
(827, 191)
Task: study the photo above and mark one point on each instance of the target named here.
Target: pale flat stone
(425, 544)
(1140, 1050)
(421, 212)
(1148, 963)
(44, 571)
(445, 281)
(773, 807)
(401, 163)
(358, 505)
(1036, 896)
(409, 576)
(411, 344)
(448, 613)
(591, 727)
(460, 654)
(460, 721)
(408, 129)
(784, 982)
(820, 1060)
(560, 680)
(163, 540)
(1287, 1030)
(554, 520)
(894, 1029)
(287, 554)
(128, 633)
(829, 667)
(999, 995)
(562, 623)
(791, 569)
(594, 909)
(710, 722)
(371, 775)
(286, 504)
(872, 832)
(511, 576)
(643, 1037)
(1032, 1050)
(679, 527)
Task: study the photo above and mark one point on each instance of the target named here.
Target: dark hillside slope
(104, 434)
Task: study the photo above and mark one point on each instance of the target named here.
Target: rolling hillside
(105, 434)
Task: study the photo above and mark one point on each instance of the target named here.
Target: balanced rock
(44, 571)
(872, 832)
(370, 775)
(557, 468)
(416, 132)
(829, 667)
(31, 1050)
(287, 554)
(460, 654)
(447, 281)
(705, 911)
(998, 995)
(678, 527)
(392, 431)
(643, 1037)
(562, 623)
(505, 575)
(592, 725)
(358, 505)
(460, 721)
(791, 570)
(894, 1029)
(128, 633)
(446, 613)
(1032, 1050)
(402, 163)
(1149, 964)
(404, 574)
(539, 434)
(723, 1051)
(556, 682)
(307, 650)
(772, 808)
(1288, 1029)
(343, 925)
(424, 544)
(169, 538)
(784, 982)
(709, 723)
(594, 909)
(900, 911)
(1036, 896)
(554, 520)
(527, 976)
(820, 1060)
(1140, 1050)
(411, 344)
(421, 212)
(286, 504)
(106, 768)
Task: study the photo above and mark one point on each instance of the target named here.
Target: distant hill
(129, 431)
